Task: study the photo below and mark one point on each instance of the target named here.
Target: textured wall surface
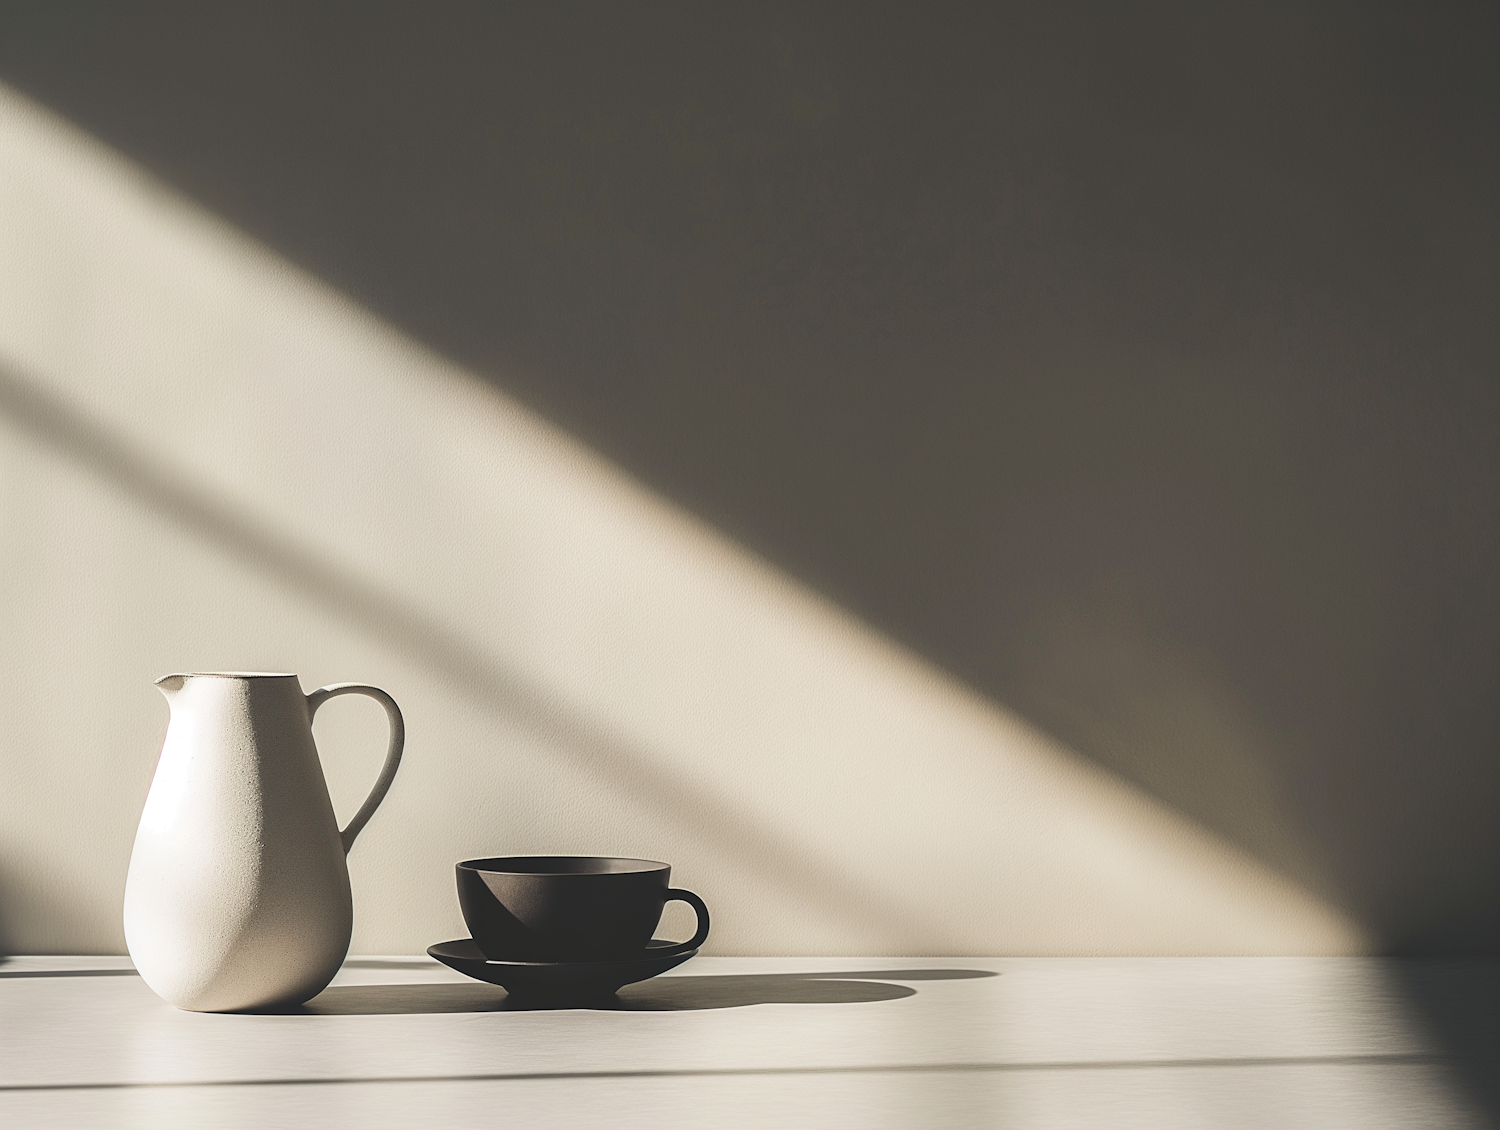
(212, 462)
(1128, 370)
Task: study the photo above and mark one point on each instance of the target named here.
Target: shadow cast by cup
(674, 994)
(664, 994)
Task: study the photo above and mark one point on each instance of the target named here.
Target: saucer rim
(502, 963)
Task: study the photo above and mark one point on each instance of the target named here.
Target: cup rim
(535, 865)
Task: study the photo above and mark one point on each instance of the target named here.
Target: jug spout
(169, 685)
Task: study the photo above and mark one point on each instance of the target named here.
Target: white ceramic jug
(238, 894)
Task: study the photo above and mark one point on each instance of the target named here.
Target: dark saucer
(559, 981)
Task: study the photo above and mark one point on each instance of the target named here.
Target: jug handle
(392, 753)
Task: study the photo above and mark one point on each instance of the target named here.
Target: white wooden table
(777, 1042)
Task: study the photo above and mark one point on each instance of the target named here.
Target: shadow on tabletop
(1457, 1000)
(665, 994)
(384, 963)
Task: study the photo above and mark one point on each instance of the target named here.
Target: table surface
(786, 1042)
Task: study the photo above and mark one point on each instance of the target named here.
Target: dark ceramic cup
(569, 907)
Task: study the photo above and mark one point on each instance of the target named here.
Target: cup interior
(563, 865)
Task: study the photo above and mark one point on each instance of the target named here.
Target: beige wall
(209, 460)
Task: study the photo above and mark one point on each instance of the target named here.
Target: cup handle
(701, 908)
(392, 753)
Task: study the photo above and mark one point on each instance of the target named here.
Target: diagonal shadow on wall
(481, 676)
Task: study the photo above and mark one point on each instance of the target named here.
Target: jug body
(238, 893)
